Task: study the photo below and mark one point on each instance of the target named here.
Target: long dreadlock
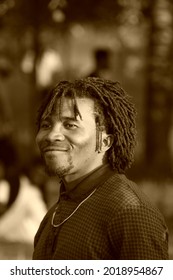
(113, 110)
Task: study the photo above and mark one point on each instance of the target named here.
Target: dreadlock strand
(76, 108)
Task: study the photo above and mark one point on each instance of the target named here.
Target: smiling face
(68, 145)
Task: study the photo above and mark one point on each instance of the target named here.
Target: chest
(83, 235)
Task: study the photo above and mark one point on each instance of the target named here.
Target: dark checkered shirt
(116, 222)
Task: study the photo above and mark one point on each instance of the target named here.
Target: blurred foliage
(48, 12)
(20, 17)
(22, 22)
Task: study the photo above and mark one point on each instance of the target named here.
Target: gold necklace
(54, 213)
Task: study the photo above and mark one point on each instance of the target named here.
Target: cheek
(39, 138)
(85, 141)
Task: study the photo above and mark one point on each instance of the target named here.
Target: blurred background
(45, 41)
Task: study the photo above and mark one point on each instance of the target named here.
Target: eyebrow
(48, 118)
(69, 118)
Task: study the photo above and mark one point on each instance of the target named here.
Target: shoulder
(126, 192)
(125, 196)
(133, 206)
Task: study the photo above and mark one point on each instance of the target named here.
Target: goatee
(59, 171)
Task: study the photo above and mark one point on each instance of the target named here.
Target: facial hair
(59, 171)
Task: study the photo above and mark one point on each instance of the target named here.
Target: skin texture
(68, 146)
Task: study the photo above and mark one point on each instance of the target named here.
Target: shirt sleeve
(139, 233)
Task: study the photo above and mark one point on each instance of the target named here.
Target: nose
(56, 133)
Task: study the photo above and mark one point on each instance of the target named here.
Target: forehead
(85, 106)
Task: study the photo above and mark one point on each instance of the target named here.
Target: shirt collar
(85, 185)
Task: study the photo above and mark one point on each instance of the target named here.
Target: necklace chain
(54, 213)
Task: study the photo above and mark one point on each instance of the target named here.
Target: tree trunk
(160, 88)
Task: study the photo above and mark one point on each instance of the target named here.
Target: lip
(55, 150)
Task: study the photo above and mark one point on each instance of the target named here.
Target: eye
(70, 125)
(45, 125)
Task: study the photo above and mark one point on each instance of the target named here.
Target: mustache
(54, 147)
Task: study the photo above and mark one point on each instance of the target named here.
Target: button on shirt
(104, 216)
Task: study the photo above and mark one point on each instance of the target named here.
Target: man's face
(68, 146)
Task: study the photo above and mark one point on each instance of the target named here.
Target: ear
(107, 141)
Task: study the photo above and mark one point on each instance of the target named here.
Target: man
(86, 135)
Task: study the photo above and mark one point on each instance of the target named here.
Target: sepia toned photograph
(86, 130)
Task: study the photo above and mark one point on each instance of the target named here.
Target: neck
(71, 180)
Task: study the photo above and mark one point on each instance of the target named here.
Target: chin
(59, 171)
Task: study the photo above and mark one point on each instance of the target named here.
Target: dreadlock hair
(114, 112)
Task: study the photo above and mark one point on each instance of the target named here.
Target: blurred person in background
(87, 136)
(21, 203)
(102, 69)
(8, 153)
(20, 222)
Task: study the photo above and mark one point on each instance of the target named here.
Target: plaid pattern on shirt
(116, 222)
